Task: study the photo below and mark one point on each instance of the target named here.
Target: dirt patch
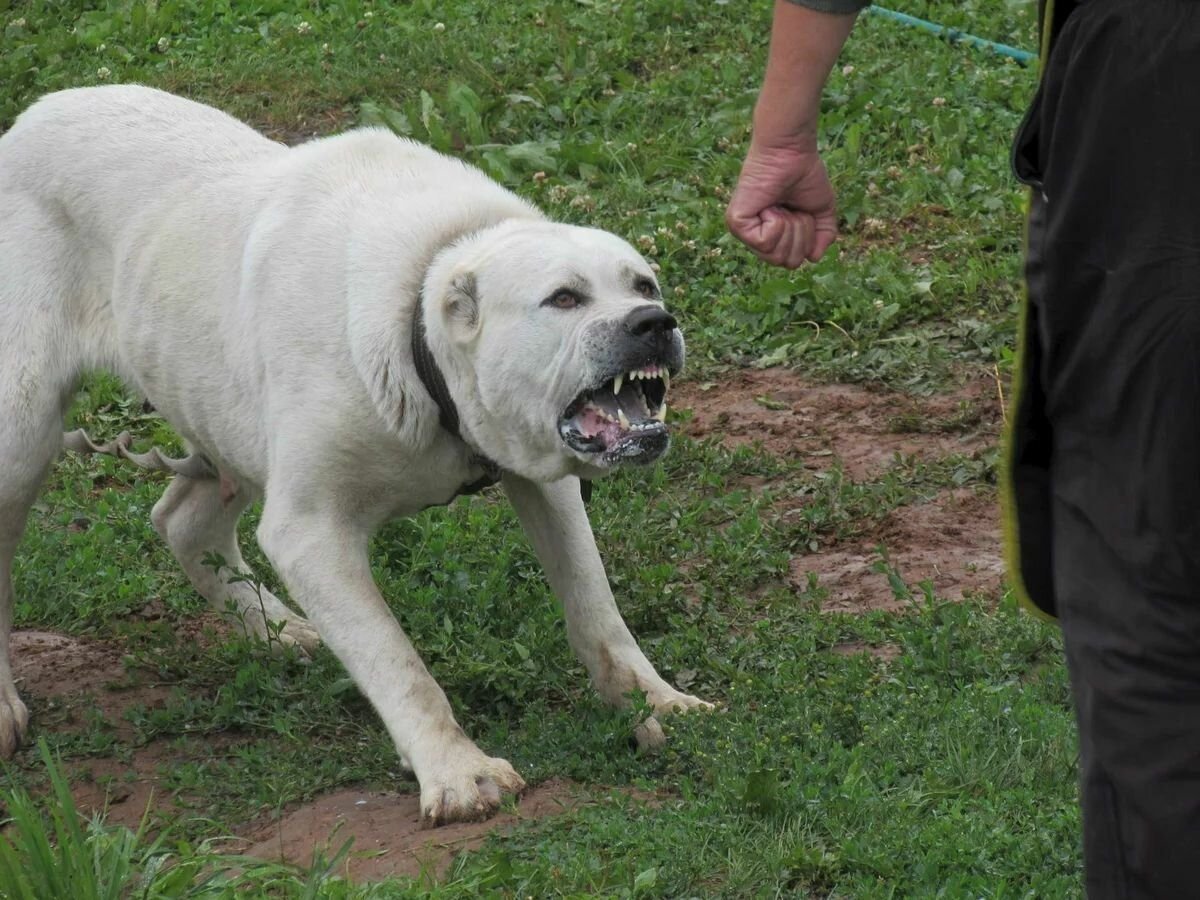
(71, 681)
(124, 789)
(71, 684)
(953, 541)
(388, 836)
(862, 427)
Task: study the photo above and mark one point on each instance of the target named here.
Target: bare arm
(783, 206)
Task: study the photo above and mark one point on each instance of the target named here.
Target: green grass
(947, 771)
(62, 854)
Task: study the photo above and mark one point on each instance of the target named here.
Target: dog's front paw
(14, 719)
(468, 790)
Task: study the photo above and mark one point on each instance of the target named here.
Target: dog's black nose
(647, 319)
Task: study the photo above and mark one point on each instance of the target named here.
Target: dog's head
(556, 347)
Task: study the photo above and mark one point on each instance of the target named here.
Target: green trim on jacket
(1008, 491)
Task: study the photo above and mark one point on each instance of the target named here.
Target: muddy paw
(14, 719)
(469, 791)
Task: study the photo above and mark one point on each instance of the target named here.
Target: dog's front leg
(554, 518)
(325, 565)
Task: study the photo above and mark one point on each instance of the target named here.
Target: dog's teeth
(624, 419)
(666, 379)
(617, 382)
(661, 415)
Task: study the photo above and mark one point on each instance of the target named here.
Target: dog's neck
(435, 384)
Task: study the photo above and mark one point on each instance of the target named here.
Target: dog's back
(105, 153)
(77, 171)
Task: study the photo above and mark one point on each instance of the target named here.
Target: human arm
(783, 207)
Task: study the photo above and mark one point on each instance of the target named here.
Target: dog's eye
(562, 299)
(646, 288)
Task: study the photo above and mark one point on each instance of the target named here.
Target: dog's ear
(462, 304)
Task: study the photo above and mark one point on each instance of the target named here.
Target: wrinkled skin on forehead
(535, 317)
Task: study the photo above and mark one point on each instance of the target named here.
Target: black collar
(435, 383)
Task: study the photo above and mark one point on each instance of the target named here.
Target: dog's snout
(647, 320)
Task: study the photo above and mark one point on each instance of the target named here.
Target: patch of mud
(388, 836)
(71, 684)
(72, 681)
(862, 427)
(124, 789)
(953, 541)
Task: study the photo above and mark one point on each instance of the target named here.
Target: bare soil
(73, 684)
(951, 541)
(863, 428)
(388, 836)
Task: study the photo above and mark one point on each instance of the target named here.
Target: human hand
(783, 207)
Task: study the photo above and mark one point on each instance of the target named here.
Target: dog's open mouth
(624, 419)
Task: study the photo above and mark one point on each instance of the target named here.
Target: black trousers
(1103, 473)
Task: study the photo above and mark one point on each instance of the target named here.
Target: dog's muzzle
(623, 418)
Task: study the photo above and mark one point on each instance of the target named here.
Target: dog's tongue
(609, 418)
(592, 423)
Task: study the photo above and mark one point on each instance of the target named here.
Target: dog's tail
(193, 465)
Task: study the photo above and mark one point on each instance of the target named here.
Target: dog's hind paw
(281, 628)
(300, 634)
(14, 719)
(469, 791)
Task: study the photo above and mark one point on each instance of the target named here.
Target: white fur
(261, 297)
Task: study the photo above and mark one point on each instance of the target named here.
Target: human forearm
(805, 43)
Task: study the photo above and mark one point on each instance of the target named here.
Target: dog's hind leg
(198, 520)
(29, 442)
(38, 365)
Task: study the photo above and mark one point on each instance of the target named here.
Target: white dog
(352, 330)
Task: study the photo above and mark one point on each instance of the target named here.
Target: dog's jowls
(262, 299)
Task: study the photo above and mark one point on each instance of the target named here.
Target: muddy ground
(951, 541)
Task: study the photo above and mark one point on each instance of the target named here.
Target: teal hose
(1024, 57)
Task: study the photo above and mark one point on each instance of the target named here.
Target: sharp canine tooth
(617, 384)
(666, 379)
(661, 415)
(624, 419)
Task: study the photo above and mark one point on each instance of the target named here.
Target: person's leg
(1120, 339)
